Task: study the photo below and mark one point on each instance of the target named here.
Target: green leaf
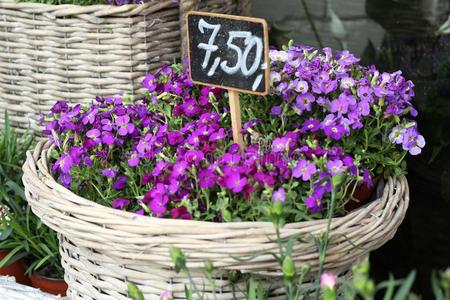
(251, 289)
(5, 234)
(390, 288)
(435, 287)
(187, 292)
(16, 188)
(134, 292)
(405, 288)
(11, 257)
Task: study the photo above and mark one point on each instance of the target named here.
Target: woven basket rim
(46, 145)
(97, 10)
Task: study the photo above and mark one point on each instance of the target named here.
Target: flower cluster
(172, 155)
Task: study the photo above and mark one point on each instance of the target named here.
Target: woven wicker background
(53, 52)
(103, 248)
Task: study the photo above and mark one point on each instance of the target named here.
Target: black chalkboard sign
(229, 52)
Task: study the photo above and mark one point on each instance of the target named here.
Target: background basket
(53, 52)
(103, 248)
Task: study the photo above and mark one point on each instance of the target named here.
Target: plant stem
(323, 248)
(311, 22)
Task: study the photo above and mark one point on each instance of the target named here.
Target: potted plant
(12, 155)
(170, 169)
(27, 246)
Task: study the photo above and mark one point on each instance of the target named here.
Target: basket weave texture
(103, 248)
(53, 52)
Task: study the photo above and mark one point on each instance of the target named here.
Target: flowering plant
(328, 121)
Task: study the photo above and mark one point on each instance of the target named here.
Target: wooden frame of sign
(251, 34)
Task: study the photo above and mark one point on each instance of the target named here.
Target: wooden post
(235, 111)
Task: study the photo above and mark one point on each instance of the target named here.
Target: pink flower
(328, 280)
(166, 295)
(279, 195)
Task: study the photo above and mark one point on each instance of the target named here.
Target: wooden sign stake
(235, 111)
(232, 53)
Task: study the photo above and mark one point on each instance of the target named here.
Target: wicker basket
(103, 248)
(53, 52)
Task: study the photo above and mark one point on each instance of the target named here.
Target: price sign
(230, 52)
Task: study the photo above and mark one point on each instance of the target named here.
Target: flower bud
(277, 208)
(166, 295)
(209, 267)
(328, 280)
(178, 259)
(288, 268)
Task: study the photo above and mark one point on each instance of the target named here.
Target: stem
(324, 247)
(311, 22)
(193, 285)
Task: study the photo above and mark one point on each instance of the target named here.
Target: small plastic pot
(363, 193)
(49, 285)
(16, 269)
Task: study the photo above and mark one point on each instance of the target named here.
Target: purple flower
(110, 173)
(179, 169)
(300, 86)
(304, 169)
(280, 144)
(120, 183)
(335, 166)
(133, 160)
(180, 212)
(124, 126)
(89, 118)
(193, 157)
(281, 56)
(396, 135)
(341, 104)
(175, 138)
(334, 131)
(363, 108)
(108, 138)
(279, 195)
(76, 153)
(274, 77)
(106, 124)
(158, 199)
(365, 93)
(120, 203)
(159, 168)
(63, 164)
(235, 182)
(149, 82)
(218, 135)
(304, 102)
(207, 179)
(313, 204)
(413, 141)
(190, 108)
(94, 135)
(310, 125)
(60, 106)
(65, 179)
(145, 144)
(347, 83)
(367, 178)
(275, 111)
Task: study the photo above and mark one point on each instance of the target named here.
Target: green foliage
(21, 231)
(361, 286)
